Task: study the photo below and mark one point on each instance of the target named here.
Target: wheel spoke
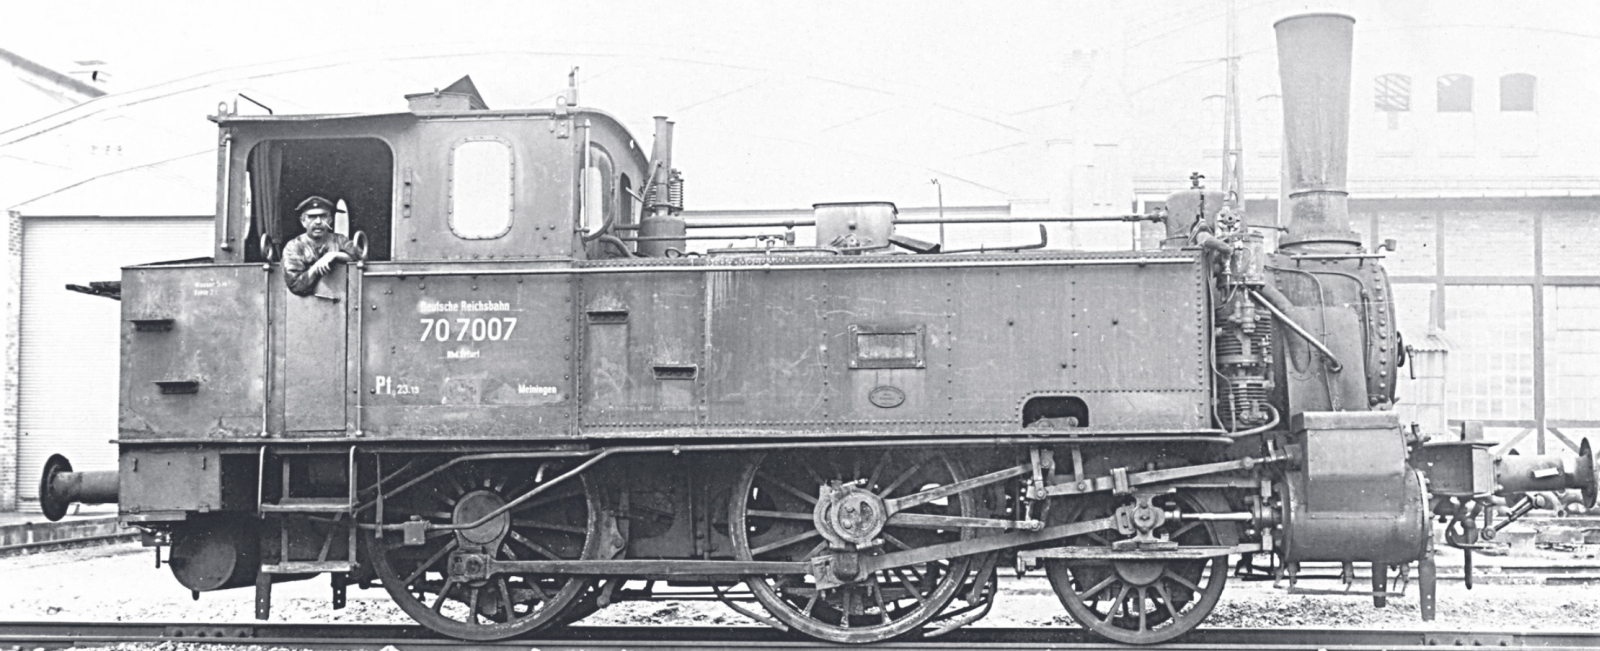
(1119, 602)
(900, 480)
(1167, 572)
(846, 601)
(909, 587)
(472, 605)
(877, 594)
(815, 476)
(833, 466)
(1089, 596)
(921, 576)
(438, 603)
(1138, 603)
(505, 598)
(895, 541)
(877, 471)
(431, 560)
(785, 542)
(1166, 599)
(809, 499)
(538, 592)
(536, 547)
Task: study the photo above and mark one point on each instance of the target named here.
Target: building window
(1517, 91)
(1455, 94)
(1393, 93)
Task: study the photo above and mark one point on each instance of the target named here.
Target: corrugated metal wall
(69, 341)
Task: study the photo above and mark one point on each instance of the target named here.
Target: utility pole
(1232, 145)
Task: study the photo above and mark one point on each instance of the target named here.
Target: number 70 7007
(495, 329)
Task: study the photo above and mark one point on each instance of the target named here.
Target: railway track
(69, 543)
(1518, 571)
(408, 638)
(34, 538)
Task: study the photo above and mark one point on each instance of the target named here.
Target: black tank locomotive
(528, 402)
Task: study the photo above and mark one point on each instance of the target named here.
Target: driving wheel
(1140, 601)
(798, 505)
(558, 524)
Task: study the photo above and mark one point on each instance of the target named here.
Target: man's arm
(297, 272)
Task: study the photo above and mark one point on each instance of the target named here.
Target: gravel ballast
(120, 583)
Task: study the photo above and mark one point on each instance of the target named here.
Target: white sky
(778, 104)
(988, 61)
(948, 47)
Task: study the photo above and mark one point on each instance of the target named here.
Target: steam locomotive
(528, 401)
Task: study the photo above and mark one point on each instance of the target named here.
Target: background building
(1471, 147)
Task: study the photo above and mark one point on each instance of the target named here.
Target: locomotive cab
(418, 192)
(431, 185)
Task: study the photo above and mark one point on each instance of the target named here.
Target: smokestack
(662, 152)
(1314, 66)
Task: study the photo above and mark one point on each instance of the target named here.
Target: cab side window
(481, 200)
(599, 191)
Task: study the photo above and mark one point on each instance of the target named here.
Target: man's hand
(323, 264)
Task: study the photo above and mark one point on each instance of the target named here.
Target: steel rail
(663, 638)
(68, 542)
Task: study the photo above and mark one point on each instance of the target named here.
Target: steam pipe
(1314, 69)
(1333, 362)
(791, 223)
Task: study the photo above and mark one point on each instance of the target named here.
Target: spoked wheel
(1140, 602)
(558, 524)
(773, 516)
